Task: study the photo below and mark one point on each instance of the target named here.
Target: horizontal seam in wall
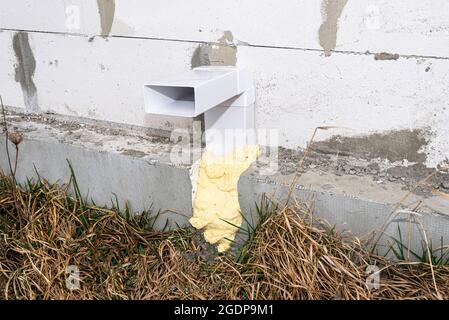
(240, 43)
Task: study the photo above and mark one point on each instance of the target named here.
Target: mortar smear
(24, 70)
(222, 53)
(331, 12)
(106, 9)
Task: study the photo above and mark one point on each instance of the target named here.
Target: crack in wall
(238, 44)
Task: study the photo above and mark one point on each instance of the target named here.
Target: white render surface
(298, 86)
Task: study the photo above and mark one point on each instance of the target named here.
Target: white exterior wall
(297, 87)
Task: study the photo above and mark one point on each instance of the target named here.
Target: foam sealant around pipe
(226, 97)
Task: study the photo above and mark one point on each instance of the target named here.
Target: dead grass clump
(290, 255)
(408, 280)
(43, 231)
(294, 257)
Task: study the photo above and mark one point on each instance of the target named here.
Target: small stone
(445, 185)
(436, 185)
(374, 167)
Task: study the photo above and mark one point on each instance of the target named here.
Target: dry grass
(293, 256)
(290, 256)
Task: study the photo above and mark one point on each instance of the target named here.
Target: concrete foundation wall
(125, 165)
(372, 66)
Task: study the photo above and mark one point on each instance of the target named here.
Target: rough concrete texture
(376, 180)
(222, 53)
(394, 146)
(331, 11)
(24, 70)
(106, 9)
(135, 165)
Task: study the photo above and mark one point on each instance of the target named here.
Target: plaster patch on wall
(222, 53)
(331, 11)
(226, 38)
(391, 145)
(106, 9)
(24, 70)
(386, 56)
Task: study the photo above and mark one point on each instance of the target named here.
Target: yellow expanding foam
(216, 207)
